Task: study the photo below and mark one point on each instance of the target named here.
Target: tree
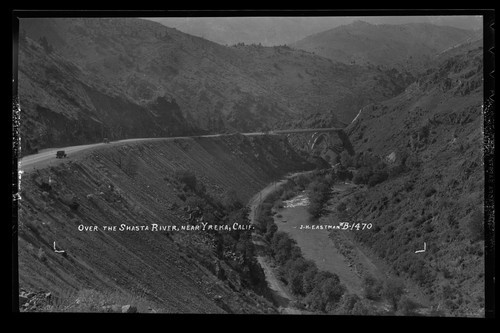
(231, 201)
(372, 287)
(188, 178)
(348, 303)
(360, 309)
(271, 230)
(377, 178)
(406, 306)
(343, 174)
(345, 159)
(341, 207)
(392, 291)
(308, 279)
(318, 195)
(362, 176)
(296, 284)
(332, 292)
(282, 247)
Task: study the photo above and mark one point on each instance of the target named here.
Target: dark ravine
(133, 185)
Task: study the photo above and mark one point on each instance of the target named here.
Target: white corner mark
(56, 250)
(421, 250)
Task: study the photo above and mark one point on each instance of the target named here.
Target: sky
(285, 30)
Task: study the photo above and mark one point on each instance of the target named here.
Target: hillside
(430, 186)
(407, 47)
(180, 183)
(84, 79)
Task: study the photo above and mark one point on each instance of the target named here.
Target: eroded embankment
(133, 185)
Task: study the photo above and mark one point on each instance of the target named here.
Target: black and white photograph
(264, 163)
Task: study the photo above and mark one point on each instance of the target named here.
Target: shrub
(377, 178)
(318, 195)
(408, 186)
(362, 176)
(270, 231)
(345, 159)
(41, 255)
(406, 306)
(302, 180)
(424, 132)
(396, 170)
(341, 207)
(70, 201)
(428, 228)
(186, 177)
(308, 279)
(429, 191)
(281, 246)
(360, 309)
(392, 291)
(348, 302)
(326, 294)
(372, 288)
(231, 201)
(343, 174)
(130, 165)
(421, 273)
(476, 225)
(332, 292)
(45, 187)
(278, 204)
(195, 202)
(200, 188)
(287, 194)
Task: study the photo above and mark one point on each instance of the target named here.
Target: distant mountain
(407, 47)
(83, 79)
(279, 30)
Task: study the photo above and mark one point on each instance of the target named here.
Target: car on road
(106, 140)
(61, 154)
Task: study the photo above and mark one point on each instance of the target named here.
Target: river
(315, 244)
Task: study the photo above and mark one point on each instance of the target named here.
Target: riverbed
(314, 242)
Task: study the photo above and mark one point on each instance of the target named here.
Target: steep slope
(82, 79)
(430, 140)
(138, 185)
(407, 47)
(64, 105)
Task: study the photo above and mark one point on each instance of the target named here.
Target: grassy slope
(447, 101)
(174, 273)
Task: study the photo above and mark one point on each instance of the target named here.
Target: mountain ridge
(133, 64)
(405, 46)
